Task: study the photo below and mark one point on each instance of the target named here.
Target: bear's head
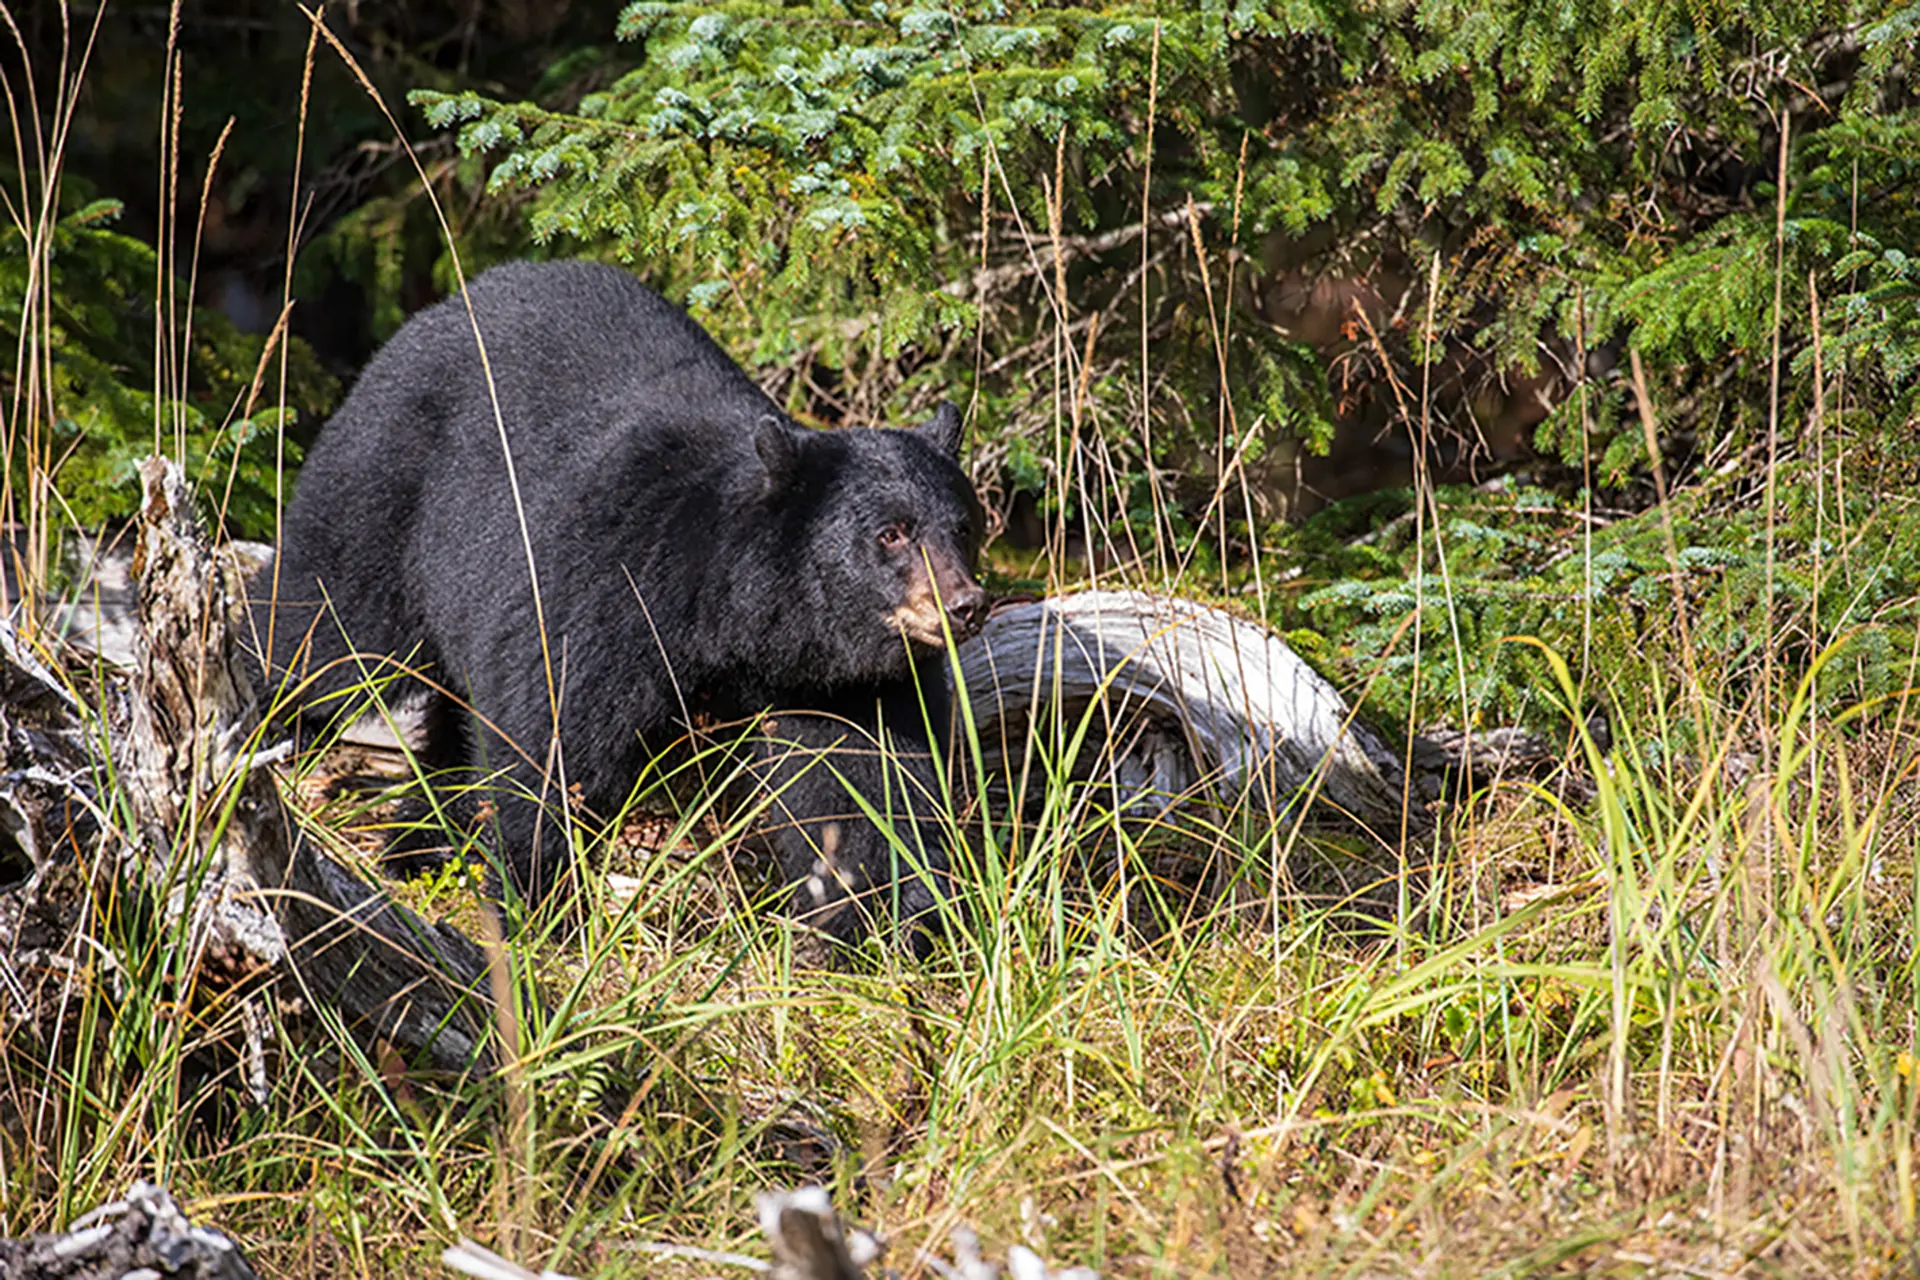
(893, 528)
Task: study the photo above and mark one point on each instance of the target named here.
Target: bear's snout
(941, 596)
(967, 610)
(954, 590)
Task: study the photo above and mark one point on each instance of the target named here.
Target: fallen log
(1175, 703)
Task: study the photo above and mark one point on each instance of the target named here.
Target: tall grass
(1672, 1030)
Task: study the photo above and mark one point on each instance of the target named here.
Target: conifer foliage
(812, 175)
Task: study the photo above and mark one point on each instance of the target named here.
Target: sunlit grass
(1671, 1028)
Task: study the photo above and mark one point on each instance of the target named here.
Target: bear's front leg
(527, 836)
(858, 814)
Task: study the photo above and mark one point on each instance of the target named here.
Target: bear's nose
(967, 610)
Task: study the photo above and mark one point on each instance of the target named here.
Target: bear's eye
(894, 536)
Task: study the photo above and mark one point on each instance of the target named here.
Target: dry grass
(1242, 1095)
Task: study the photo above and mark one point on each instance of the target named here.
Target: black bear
(593, 530)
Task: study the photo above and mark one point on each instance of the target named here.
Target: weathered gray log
(1181, 704)
(145, 1235)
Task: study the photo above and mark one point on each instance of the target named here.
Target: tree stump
(198, 822)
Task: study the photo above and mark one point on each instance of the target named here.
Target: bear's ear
(779, 451)
(942, 430)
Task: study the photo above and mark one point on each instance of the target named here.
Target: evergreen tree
(819, 178)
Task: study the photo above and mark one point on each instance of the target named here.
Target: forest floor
(1254, 1089)
(1667, 1032)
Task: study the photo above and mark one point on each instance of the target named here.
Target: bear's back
(591, 372)
(567, 348)
(404, 502)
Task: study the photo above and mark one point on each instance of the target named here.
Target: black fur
(698, 555)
